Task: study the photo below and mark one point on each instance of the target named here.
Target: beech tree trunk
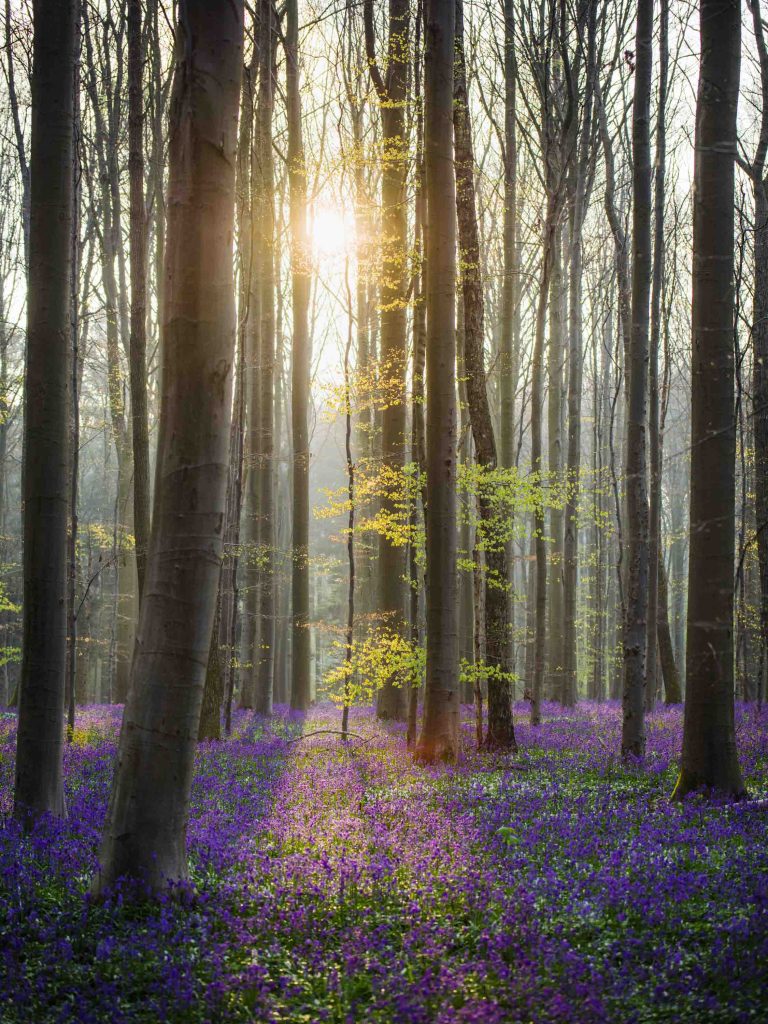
(636, 472)
(145, 831)
(38, 788)
(709, 756)
(300, 285)
(264, 203)
(509, 347)
(138, 340)
(439, 738)
(392, 90)
(501, 731)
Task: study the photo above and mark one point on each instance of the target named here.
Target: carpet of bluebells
(346, 884)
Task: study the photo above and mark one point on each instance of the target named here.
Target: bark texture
(501, 731)
(439, 739)
(46, 416)
(709, 742)
(636, 468)
(145, 832)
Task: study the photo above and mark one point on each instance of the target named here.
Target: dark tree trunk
(392, 91)
(509, 354)
(636, 471)
(46, 416)
(300, 276)
(501, 731)
(709, 756)
(439, 738)
(138, 340)
(264, 203)
(145, 831)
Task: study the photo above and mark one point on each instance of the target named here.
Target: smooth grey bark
(264, 188)
(144, 835)
(582, 183)
(501, 731)
(555, 368)
(635, 634)
(301, 356)
(709, 756)
(138, 266)
(509, 345)
(757, 173)
(392, 90)
(439, 739)
(45, 487)
(654, 424)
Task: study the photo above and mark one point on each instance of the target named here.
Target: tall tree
(264, 189)
(757, 172)
(581, 184)
(300, 285)
(392, 91)
(509, 355)
(439, 739)
(138, 340)
(636, 470)
(145, 831)
(709, 756)
(501, 732)
(45, 485)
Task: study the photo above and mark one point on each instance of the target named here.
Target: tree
(757, 172)
(392, 91)
(138, 340)
(300, 282)
(39, 787)
(264, 189)
(145, 832)
(581, 184)
(439, 739)
(501, 731)
(709, 755)
(636, 470)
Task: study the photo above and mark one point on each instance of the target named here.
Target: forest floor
(347, 884)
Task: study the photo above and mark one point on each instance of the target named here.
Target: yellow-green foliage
(382, 655)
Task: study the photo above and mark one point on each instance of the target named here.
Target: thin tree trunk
(636, 472)
(392, 91)
(138, 339)
(439, 738)
(300, 275)
(265, 671)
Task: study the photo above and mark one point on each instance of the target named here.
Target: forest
(384, 511)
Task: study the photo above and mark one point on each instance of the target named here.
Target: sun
(332, 231)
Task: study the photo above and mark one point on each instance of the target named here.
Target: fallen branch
(332, 732)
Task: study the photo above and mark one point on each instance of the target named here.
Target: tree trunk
(138, 340)
(509, 354)
(264, 200)
(300, 276)
(636, 471)
(709, 756)
(145, 831)
(555, 610)
(501, 732)
(439, 738)
(392, 90)
(581, 190)
(537, 405)
(45, 485)
(210, 711)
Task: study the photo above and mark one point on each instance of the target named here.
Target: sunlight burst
(332, 231)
